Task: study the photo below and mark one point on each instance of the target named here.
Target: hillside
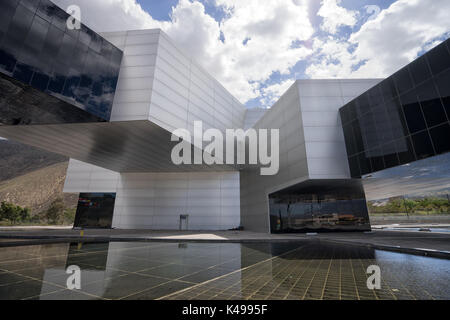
(38, 189)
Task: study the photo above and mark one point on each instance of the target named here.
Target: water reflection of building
(325, 221)
(312, 207)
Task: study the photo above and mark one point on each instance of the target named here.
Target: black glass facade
(21, 104)
(319, 206)
(95, 210)
(37, 48)
(403, 119)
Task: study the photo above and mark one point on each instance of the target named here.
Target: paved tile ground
(308, 269)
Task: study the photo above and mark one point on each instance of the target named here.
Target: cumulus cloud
(256, 40)
(112, 15)
(383, 44)
(250, 44)
(335, 16)
(272, 92)
(242, 51)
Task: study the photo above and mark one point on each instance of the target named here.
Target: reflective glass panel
(404, 118)
(39, 50)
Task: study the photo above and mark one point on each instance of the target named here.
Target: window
(364, 164)
(349, 139)
(441, 138)
(434, 112)
(354, 166)
(375, 97)
(431, 104)
(390, 155)
(388, 89)
(40, 81)
(17, 31)
(414, 117)
(46, 10)
(422, 145)
(439, 59)
(359, 143)
(377, 159)
(405, 150)
(403, 80)
(442, 83)
(30, 4)
(420, 70)
(6, 14)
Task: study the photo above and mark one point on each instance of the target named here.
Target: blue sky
(257, 48)
(158, 9)
(161, 9)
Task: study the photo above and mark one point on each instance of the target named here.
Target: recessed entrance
(95, 210)
(319, 205)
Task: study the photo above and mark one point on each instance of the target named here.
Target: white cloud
(271, 30)
(272, 92)
(241, 66)
(383, 44)
(112, 15)
(331, 59)
(261, 38)
(335, 16)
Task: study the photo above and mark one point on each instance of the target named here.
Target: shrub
(69, 216)
(412, 206)
(13, 213)
(55, 212)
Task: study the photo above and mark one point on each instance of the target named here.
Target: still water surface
(146, 270)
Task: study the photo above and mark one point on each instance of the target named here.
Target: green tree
(55, 212)
(69, 215)
(409, 205)
(13, 213)
(25, 215)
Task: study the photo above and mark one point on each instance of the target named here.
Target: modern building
(110, 102)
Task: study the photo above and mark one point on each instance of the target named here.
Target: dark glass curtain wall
(38, 49)
(403, 119)
(319, 205)
(95, 210)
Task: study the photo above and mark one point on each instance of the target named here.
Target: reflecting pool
(156, 270)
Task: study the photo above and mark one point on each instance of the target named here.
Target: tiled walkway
(305, 270)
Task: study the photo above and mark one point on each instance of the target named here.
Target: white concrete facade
(320, 101)
(161, 83)
(156, 200)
